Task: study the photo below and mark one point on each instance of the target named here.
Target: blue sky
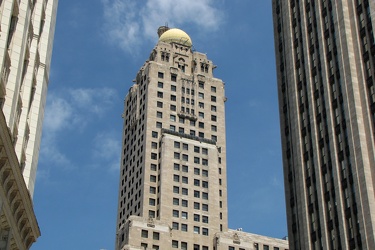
(99, 47)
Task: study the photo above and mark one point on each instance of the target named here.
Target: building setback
(173, 189)
(26, 37)
(325, 56)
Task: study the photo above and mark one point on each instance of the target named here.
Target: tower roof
(176, 36)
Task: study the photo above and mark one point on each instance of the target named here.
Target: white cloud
(106, 149)
(69, 112)
(129, 22)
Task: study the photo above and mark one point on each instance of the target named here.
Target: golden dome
(176, 36)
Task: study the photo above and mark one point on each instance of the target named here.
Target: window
(205, 207)
(192, 123)
(176, 155)
(196, 194)
(196, 247)
(196, 160)
(144, 245)
(184, 191)
(201, 125)
(185, 168)
(159, 124)
(204, 231)
(175, 213)
(204, 162)
(154, 134)
(176, 202)
(213, 118)
(176, 144)
(184, 215)
(154, 156)
(201, 85)
(213, 128)
(196, 205)
(159, 114)
(201, 114)
(181, 130)
(213, 98)
(231, 248)
(184, 228)
(175, 225)
(173, 107)
(144, 234)
(185, 146)
(161, 75)
(172, 118)
(176, 190)
(160, 94)
(214, 137)
(152, 178)
(185, 157)
(201, 105)
(196, 217)
(153, 167)
(183, 245)
(205, 184)
(159, 104)
(181, 120)
(172, 127)
(205, 173)
(173, 98)
(151, 202)
(184, 203)
(197, 171)
(174, 244)
(155, 235)
(176, 178)
(205, 151)
(176, 167)
(196, 230)
(192, 132)
(155, 247)
(173, 77)
(196, 149)
(160, 85)
(213, 89)
(205, 219)
(266, 247)
(200, 95)
(185, 180)
(201, 134)
(154, 145)
(151, 214)
(173, 88)
(213, 108)
(204, 196)
(196, 182)
(152, 190)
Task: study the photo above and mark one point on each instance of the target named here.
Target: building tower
(26, 38)
(325, 55)
(172, 191)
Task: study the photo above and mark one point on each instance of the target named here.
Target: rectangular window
(200, 95)
(154, 145)
(175, 213)
(176, 155)
(176, 167)
(153, 167)
(176, 178)
(213, 98)
(196, 160)
(204, 231)
(184, 215)
(213, 128)
(152, 190)
(196, 149)
(144, 234)
(213, 108)
(201, 105)
(155, 235)
(154, 156)
(205, 173)
(184, 203)
(152, 178)
(175, 225)
(196, 230)
(213, 118)
(174, 244)
(196, 205)
(176, 190)
(205, 151)
(160, 85)
(172, 118)
(185, 180)
(159, 125)
(213, 89)
(201, 85)
(173, 88)
(160, 94)
(159, 104)
(185, 146)
(196, 194)
(197, 182)
(196, 217)
(201, 125)
(197, 171)
(204, 196)
(172, 127)
(173, 77)
(173, 107)
(161, 75)
(159, 114)
(205, 219)
(205, 207)
(184, 228)
(204, 162)
(201, 114)
(185, 168)
(173, 98)
(154, 134)
(185, 157)
(184, 191)
(176, 144)
(184, 245)
(176, 201)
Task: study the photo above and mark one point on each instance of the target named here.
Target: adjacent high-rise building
(325, 56)
(26, 38)
(173, 189)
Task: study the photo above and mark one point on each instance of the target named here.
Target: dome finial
(162, 29)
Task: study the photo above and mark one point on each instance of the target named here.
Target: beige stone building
(26, 37)
(325, 56)
(173, 189)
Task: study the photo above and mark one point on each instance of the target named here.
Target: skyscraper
(173, 190)
(26, 37)
(325, 69)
